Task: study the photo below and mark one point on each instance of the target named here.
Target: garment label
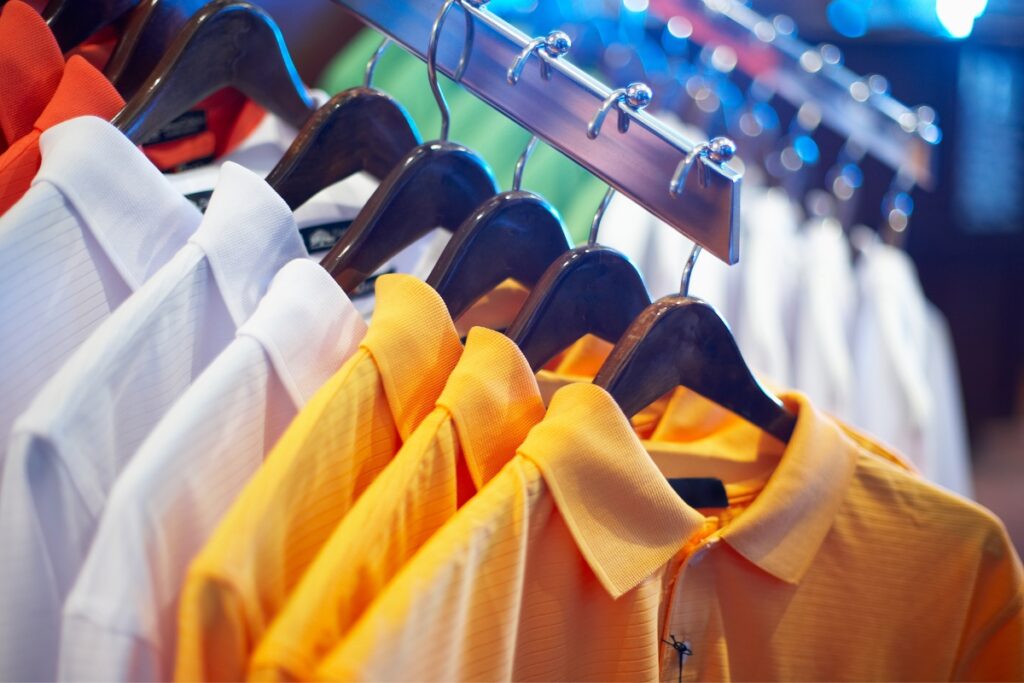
(369, 286)
(324, 236)
(200, 199)
(701, 492)
(190, 123)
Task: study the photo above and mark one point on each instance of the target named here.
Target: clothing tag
(190, 123)
(324, 236)
(701, 492)
(201, 199)
(369, 285)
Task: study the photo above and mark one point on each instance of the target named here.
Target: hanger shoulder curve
(73, 21)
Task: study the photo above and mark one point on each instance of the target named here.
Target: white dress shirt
(97, 222)
(826, 300)
(69, 446)
(120, 619)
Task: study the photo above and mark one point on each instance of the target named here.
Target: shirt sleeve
(213, 641)
(92, 652)
(43, 521)
(997, 653)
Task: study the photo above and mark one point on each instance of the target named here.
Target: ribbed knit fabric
(30, 69)
(69, 446)
(120, 620)
(331, 452)
(82, 91)
(578, 562)
(488, 406)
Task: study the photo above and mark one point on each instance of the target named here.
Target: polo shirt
(82, 91)
(71, 251)
(336, 446)
(578, 561)
(184, 477)
(67, 449)
(31, 65)
(488, 406)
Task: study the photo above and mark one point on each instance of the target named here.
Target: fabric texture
(82, 91)
(120, 619)
(333, 450)
(30, 69)
(71, 251)
(578, 561)
(67, 449)
(488, 406)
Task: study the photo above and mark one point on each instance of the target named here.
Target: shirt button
(699, 554)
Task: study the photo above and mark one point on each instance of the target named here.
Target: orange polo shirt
(331, 452)
(488, 406)
(30, 69)
(82, 91)
(578, 561)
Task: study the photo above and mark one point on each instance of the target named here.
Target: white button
(700, 552)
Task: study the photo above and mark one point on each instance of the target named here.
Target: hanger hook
(718, 150)
(435, 34)
(371, 66)
(636, 96)
(595, 225)
(517, 177)
(555, 44)
(684, 284)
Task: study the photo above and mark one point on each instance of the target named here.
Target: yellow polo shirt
(579, 562)
(334, 448)
(488, 406)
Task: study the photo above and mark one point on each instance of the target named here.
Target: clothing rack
(640, 162)
(859, 109)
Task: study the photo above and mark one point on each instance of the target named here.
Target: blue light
(635, 5)
(806, 149)
(957, 16)
(848, 17)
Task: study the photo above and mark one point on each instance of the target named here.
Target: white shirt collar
(124, 201)
(247, 232)
(307, 318)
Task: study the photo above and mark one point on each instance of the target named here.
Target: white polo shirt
(82, 428)
(120, 619)
(97, 222)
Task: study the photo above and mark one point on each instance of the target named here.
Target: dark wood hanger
(148, 34)
(359, 129)
(589, 290)
(228, 43)
(682, 341)
(438, 184)
(73, 21)
(512, 235)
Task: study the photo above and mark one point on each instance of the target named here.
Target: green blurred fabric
(500, 141)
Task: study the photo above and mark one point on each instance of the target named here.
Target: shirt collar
(625, 518)
(31, 65)
(414, 343)
(82, 91)
(248, 233)
(494, 401)
(307, 327)
(783, 528)
(141, 227)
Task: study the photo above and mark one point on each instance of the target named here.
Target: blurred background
(963, 59)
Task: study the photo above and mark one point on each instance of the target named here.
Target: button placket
(678, 645)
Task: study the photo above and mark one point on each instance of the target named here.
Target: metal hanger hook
(554, 44)
(435, 34)
(371, 66)
(517, 176)
(595, 225)
(684, 284)
(636, 96)
(718, 150)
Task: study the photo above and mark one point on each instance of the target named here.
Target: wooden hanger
(148, 34)
(73, 21)
(588, 290)
(438, 184)
(682, 341)
(228, 43)
(360, 129)
(515, 235)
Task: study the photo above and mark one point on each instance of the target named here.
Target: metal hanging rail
(902, 138)
(639, 162)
